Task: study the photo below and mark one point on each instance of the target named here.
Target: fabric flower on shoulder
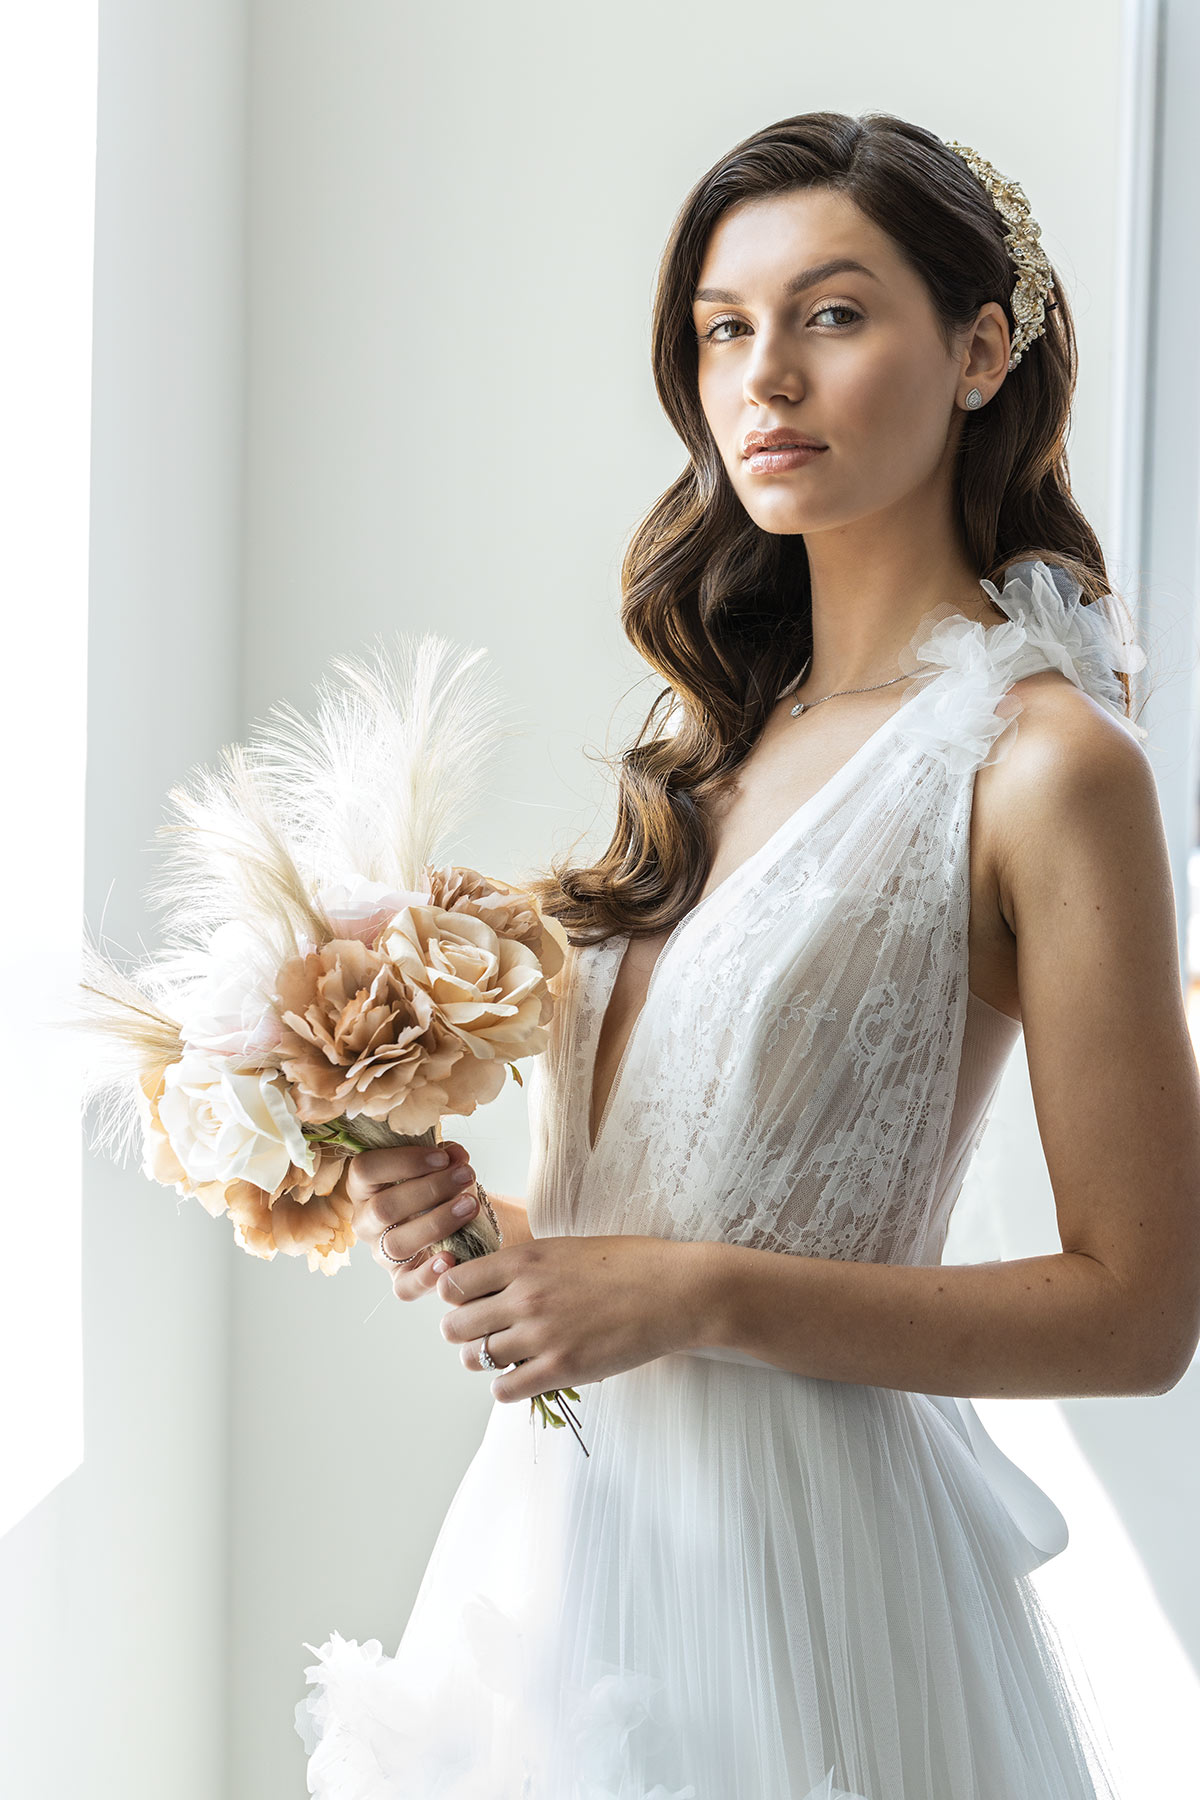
(965, 665)
(1087, 640)
(969, 666)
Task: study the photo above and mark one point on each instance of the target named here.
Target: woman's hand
(399, 1187)
(574, 1309)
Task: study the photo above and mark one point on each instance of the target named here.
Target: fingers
(395, 1191)
(408, 1235)
(371, 1170)
(416, 1212)
(405, 1197)
(421, 1277)
(500, 1349)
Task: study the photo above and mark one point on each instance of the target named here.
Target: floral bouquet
(326, 986)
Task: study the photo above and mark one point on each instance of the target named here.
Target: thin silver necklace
(802, 706)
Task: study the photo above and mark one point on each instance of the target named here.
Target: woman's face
(850, 357)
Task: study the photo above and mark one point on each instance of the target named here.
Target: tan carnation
(307, 1215)
(358, 1037)
(511, 912)
(489, 993)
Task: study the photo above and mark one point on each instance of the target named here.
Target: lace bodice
(808, 1072)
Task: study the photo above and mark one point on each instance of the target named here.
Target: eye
(709, 335)
(836, 306)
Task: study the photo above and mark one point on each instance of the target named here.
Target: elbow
(1167, 1368)
(1159, 1383)
(1163, 1381)
(1157, 1332)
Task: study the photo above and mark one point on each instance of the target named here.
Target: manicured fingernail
(437, 1159)
(439, 1264)
(462, 1207)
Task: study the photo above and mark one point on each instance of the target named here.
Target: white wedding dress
(759, 1585)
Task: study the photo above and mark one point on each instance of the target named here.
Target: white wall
(453, 218)
(114, 1591)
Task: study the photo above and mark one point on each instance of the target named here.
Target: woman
(793, 1564)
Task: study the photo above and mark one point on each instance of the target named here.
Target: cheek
(722, 402)
(890, 406)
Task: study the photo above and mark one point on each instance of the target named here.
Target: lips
(780, 439)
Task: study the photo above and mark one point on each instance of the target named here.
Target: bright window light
(47, 199)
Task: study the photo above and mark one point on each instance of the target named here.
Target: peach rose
(488, 992)
(510, 911)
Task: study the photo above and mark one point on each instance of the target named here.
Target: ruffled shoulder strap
(966, 668)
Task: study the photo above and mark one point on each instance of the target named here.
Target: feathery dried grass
(133, 1034)
(391, 763)
(229, 858)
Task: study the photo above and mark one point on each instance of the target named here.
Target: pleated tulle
(758, 1586)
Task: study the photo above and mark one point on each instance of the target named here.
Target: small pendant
(800, 706)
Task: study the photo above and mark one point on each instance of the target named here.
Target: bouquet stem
(478, 1238)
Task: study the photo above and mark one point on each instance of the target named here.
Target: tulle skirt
(758, 1586)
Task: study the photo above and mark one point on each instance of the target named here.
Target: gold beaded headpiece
(1023, 234)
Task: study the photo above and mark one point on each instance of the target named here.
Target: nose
(771, 370)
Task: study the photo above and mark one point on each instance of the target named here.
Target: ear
(986, 352)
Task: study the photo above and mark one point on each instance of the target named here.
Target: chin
(781, 521)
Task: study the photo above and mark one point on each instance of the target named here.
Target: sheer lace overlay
(762, 1586)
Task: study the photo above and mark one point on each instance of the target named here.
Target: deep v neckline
(828, 792)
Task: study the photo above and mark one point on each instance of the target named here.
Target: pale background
(371, 353)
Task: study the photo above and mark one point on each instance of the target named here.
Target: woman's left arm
(1084, 882)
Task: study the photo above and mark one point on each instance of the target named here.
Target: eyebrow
(837, 265)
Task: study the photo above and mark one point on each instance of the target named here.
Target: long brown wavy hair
(721, 609)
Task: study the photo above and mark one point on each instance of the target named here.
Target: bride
(889, 812)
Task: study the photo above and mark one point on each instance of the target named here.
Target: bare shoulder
(1071, 775)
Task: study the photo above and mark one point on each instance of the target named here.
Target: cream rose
(225, 1124)
(159, 1161)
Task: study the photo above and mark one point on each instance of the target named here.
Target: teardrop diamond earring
(973, 399)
